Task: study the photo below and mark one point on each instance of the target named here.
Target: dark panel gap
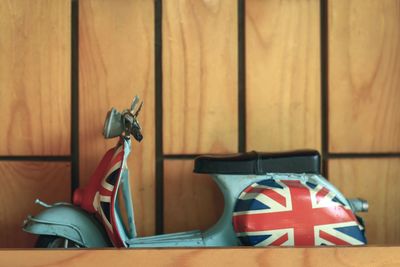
(181, 156)
(74, 95)
(362, 155)
(36, 158)
(159, 117)
(324, 85)
(241, 76)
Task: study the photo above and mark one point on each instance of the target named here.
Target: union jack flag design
(294, 213)
(107, 194)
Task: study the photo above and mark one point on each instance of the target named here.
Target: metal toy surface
(275, 199)
(294, 213)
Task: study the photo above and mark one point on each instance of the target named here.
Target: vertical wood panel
(23, 182)
(35, 77)
(376, 180)
(364, 57)
(191, 201)
(283, 75)
(200, 76)
(116, 45)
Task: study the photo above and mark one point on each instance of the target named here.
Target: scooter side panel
(67, 221)
(222, 233)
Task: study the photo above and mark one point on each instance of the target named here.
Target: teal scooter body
(253, 184)
(69, 222)
(222, 234)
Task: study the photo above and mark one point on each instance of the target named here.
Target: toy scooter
(271, 199)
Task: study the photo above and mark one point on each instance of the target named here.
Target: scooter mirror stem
(134, 103)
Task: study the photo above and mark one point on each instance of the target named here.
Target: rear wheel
(50, 241)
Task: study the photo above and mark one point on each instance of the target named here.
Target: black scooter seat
(304, 161)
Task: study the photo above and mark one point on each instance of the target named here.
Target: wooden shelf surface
(323, 256)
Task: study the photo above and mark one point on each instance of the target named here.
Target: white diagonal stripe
(105, 198)
(107, 185)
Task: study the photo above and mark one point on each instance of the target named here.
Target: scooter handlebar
(123, 123)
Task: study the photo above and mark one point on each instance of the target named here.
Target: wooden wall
(216, 77)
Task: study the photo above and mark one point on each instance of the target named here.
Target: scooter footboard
(70, 222)
(182, 239)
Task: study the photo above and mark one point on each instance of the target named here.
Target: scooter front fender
(68, 221)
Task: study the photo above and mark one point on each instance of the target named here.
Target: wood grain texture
(23, 182)
(116, 45)
(376, 180)
(35, 77)
(200, 76)
(283, 75)
(364, 80)
(191, 201)
(306, 257)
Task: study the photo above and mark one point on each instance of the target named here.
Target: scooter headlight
(113, 125)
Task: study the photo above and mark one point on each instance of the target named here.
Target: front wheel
(50, 241)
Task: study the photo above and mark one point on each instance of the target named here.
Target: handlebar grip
(358, 205)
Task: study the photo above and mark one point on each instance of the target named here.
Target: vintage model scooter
(271, 199)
